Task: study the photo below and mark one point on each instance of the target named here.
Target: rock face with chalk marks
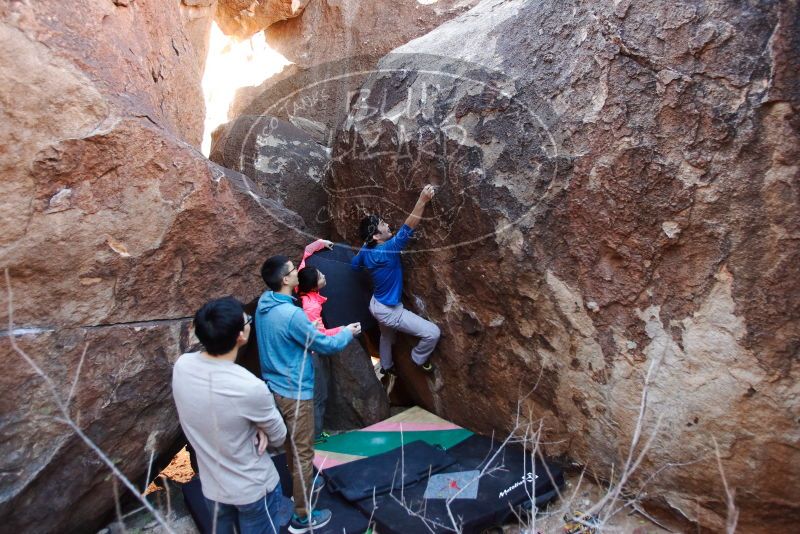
(617, 207)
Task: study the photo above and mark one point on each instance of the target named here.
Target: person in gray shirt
(229, 417)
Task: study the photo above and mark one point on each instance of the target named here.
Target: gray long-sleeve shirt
(220, 406)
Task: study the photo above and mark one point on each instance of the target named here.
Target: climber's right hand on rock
(427, 193)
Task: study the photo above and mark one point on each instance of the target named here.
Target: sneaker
(389, 371)
(319, 483)
(318, 518)
(427, 367)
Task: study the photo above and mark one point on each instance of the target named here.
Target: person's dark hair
(218, 323)
(307, 278)
(368, 228)
(273, 271)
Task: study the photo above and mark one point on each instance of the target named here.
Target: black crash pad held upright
(348, 291)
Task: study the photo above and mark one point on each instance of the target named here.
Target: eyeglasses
(290, 271)
(247, 319)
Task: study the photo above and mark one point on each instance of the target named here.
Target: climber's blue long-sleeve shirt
(383, 263)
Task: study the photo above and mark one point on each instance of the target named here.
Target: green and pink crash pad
(411, 425)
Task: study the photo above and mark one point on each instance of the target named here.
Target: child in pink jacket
(310, 282)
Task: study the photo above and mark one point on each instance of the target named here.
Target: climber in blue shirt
(380, 255)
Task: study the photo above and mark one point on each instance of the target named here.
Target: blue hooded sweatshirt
(285, 340)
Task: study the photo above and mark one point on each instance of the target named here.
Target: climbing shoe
(317, 519)
(390, 371)
(427, 367)
(321, 438)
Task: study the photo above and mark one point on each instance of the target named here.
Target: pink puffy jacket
(313, 301)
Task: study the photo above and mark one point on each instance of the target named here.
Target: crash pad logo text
(528, 477)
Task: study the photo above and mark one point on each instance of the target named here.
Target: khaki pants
(299, 419)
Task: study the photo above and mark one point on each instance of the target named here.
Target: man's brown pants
(299, 418)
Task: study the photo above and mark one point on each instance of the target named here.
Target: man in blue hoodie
(286, 339)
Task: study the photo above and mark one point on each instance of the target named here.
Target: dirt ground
(579, 495)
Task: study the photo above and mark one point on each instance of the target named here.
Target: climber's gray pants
(394, 318)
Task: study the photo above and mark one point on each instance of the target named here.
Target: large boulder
(355, 396)
(334, 46)
(617, 206)
(114, 231)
